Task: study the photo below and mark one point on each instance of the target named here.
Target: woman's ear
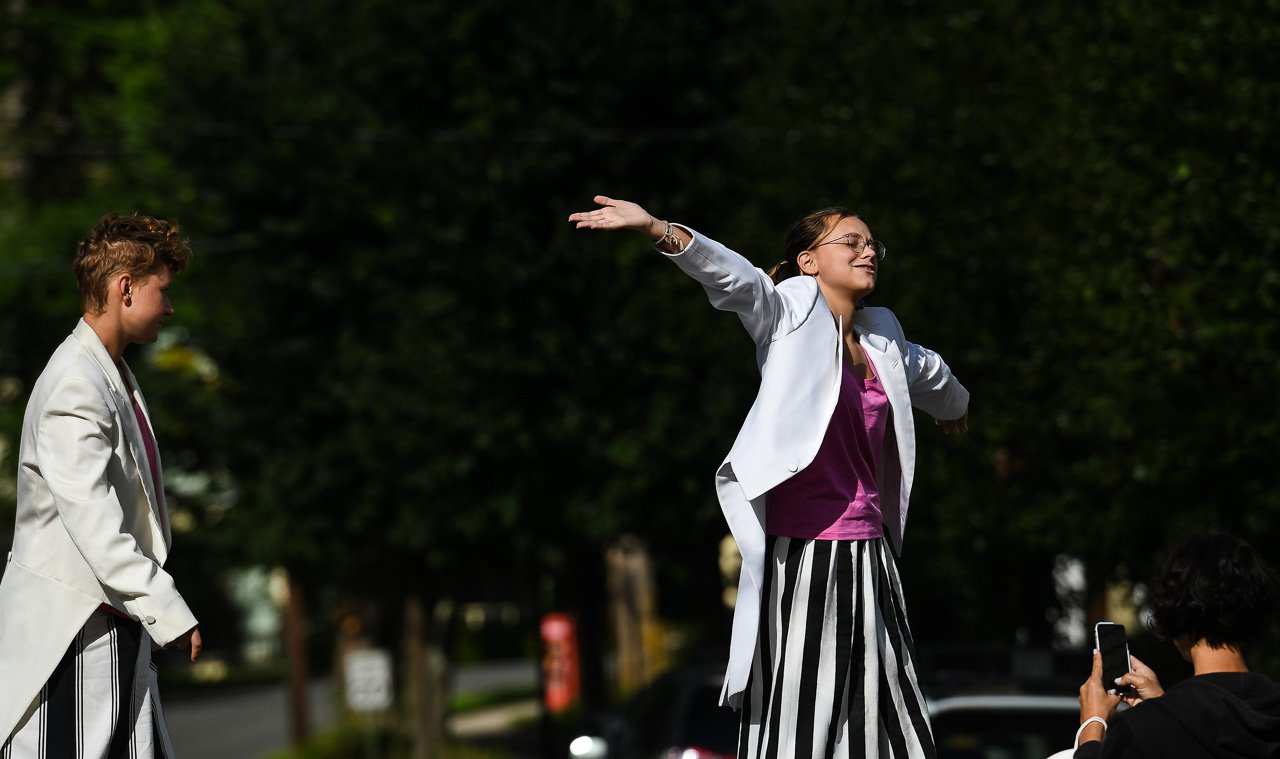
(123, 286)
(806, 264)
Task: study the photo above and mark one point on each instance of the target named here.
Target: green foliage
(426, 377)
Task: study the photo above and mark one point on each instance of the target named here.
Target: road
(239, 723)
(246, 723)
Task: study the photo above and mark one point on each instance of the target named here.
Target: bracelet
(669, 241)
(1085, 724)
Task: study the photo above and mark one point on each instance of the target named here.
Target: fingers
(197, 644)
(583, 217)
(1136, 665)
(601, 218)
(1144, 681)
(1094, 699)
(589, 219)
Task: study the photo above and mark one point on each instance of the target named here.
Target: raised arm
(623, 214)
(732, 283)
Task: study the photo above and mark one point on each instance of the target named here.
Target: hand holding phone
(1110, 640)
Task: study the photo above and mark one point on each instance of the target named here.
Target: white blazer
(89, 528)
(800, 354)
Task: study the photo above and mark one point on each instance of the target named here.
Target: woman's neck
(108, 330)
(1206, 659)
(843, 306)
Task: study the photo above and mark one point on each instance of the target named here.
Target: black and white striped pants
(101, 702)
(834, 671)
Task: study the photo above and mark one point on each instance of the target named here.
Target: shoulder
(71, 375)
(880, 320)
(72, 361)
(799, 289)
(800, 297)
(1224, 686)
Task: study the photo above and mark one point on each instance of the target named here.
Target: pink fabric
(836, 496)
(150, 444)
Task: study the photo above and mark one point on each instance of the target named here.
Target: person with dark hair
(85, 596)
(1214, 597)
(815, 488)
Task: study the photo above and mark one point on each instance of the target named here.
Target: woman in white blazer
(816, 486)
(84, 595)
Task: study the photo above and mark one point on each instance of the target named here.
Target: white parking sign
(368, 675)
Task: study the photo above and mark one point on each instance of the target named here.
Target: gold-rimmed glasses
(857, 243)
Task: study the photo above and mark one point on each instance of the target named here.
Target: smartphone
(1111, 643)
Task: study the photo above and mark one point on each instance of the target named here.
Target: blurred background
(406, 409)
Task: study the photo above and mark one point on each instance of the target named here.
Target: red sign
(559, 662)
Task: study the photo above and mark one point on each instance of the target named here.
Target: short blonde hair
(117, 244)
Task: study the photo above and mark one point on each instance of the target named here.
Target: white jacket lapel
(128, 420)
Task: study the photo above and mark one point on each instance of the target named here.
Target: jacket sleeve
(77, 460)
(734, 284)
(933, 388)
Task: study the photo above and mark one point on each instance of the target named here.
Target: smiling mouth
(865, 267)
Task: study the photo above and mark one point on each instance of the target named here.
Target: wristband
(1085, 724)
(669, 242)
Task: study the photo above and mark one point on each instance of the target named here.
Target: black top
(1224, 715)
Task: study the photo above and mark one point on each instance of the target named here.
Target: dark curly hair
(135, 244)
(1215, 588)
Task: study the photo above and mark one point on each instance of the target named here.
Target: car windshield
(1012, 734)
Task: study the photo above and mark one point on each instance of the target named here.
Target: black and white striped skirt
(834, 670)
(101, 702)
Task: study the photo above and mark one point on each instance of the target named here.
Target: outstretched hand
(618, 214)
(953, 426)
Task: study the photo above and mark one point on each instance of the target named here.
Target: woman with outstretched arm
(815, 487)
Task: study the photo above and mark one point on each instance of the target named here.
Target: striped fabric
(834, 672)
(101, 702)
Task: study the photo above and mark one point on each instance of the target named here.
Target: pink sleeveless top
(836, 496)
(149, 443)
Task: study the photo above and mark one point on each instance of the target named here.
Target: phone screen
(1115, 654)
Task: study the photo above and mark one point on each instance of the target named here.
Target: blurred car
(1003, 725)
(678, 716)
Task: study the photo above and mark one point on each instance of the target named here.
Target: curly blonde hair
(135, 244)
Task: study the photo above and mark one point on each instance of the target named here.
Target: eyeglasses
(857, 243)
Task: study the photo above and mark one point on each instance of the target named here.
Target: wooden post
(295, 624)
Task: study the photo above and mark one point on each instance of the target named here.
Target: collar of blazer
(866, 324)
(92, 345)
